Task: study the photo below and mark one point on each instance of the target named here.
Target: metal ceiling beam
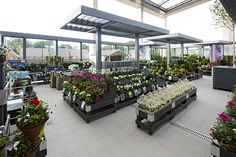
(230, 7)
(59, 38)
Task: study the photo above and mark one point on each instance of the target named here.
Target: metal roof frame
(59, 38)
(208, 43)
(86, 19)
(176, 38)
(230, 7)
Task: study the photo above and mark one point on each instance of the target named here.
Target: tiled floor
(116, 135)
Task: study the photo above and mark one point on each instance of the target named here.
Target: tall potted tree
(222, 19)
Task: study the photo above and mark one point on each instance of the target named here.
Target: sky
(47, 16)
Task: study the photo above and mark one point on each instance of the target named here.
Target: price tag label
(187, 96)
(153, 87)
(173, 104)
(74, 97)
(69, 94)
(136, 92)
(144, 89)
(122, 97)
(43, 145)
(170, 78)
(82, 105)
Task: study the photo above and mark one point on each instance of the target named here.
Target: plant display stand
(68, 97)
(149, 122)
(91, 112)
(216, 151)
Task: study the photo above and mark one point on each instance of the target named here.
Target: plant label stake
(173, 104)
(122, 97)
(153, 87)
(187, 96)
(136, 92)
(82, 105)
(144, 90)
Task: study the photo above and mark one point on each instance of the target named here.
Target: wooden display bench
(149, 122)
(216, 151)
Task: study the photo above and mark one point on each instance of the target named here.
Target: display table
(224, 77)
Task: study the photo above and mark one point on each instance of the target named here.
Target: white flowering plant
(158, 99)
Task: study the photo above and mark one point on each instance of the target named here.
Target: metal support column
(187, 49)
(98, 49)
(2, 39)
(203, 51)
(168, 54)
(137, 48)
(116, 47)
(81, 51)
(56, 47)
(174, 52)
(24, 49)
(182, 50)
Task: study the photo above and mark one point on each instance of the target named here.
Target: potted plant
(32, 119)
(3, 141)
(224, 129)
(23, 147)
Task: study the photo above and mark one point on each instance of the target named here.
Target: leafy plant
(33, 112)
(22, 145)
(3, 141)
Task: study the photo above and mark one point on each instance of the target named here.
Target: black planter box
(125, 103)
(68, 98)
(216, 151)
(95, 114)
(151, 121)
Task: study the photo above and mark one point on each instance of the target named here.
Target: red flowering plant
(224, 129)
(33, 112)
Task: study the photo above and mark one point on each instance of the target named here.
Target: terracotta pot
(32, 131)
(229, 148)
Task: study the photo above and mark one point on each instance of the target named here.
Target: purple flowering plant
(224, 129)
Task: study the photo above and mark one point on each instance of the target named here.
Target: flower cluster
(224, 129)
(158, 99)
(88, 87)
(33, 112)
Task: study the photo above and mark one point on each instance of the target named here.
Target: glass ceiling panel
(167, 3)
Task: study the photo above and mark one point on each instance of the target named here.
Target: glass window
(38, 50)
(15, 46)
(69, 50)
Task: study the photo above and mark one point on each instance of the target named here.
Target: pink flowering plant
(224, 129)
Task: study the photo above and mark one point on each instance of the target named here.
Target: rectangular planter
(95, 114)
(216, 151)
(125, 103)
(151, 121)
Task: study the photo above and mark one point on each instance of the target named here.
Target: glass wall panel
(38, 50)
(15, 46)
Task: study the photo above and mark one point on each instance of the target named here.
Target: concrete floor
(116, 135)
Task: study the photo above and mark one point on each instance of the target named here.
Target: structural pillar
(81, 51)
(203, 51)
(174, 52)
(2, 39)
(168, 54)
(115, 47)
(98, 49)
(24, 49)
(187, 49)
(137, 48)
(182, 50)
(56, 47)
